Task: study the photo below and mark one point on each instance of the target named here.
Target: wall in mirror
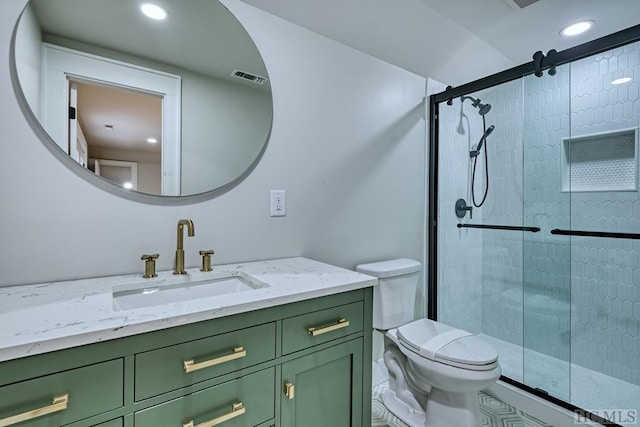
(175, 106)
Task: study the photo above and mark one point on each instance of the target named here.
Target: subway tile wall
(459, 250)
(502, 250)
(605, 273)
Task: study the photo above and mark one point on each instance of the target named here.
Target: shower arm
(474, 101)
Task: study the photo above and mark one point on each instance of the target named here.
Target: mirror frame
(103, 183)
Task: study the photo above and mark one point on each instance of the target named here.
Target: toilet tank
(394, 297)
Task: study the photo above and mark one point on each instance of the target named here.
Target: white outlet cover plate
(278, 203)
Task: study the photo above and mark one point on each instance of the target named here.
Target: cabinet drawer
(113, 423)
(163, 370)
(90, 390)
(256, 393)
(321, 326)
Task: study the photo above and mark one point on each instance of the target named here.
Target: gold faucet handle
(150, 265)
(206, 260)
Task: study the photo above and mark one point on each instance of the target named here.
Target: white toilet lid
(445, 344)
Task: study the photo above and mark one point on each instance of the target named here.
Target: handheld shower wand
(476, 152)
(483, 109)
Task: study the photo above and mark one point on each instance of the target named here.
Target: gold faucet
(180, 249)
(149, 265)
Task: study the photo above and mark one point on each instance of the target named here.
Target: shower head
(482, 108)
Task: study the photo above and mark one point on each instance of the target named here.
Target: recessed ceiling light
(127, 185)
(576, 28)
(621, 80)
(153, 11)
(152, 140)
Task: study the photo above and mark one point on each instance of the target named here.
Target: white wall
(224, 127)
(347, 144)
(149, 169)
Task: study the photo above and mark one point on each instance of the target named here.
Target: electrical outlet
(278, 203)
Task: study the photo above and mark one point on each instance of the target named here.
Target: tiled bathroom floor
(494, 413)
(583, 387)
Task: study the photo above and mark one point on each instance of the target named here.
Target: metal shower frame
(540, 63)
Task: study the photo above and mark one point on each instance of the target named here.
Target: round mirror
(165, 97)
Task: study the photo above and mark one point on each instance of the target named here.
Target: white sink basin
(182, 288)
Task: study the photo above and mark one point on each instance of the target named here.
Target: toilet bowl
(435, 370)
(449, 364)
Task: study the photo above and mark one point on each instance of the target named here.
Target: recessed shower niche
(606, 161)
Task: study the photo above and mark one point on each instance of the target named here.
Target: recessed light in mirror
(576, 28)
(128, 185)
(152, 140)
(153, 11)
(621, 81)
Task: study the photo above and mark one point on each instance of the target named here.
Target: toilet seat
(447, 345)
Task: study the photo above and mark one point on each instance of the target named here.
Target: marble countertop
(46, 317)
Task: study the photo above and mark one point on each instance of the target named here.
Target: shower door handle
(606, 234)
(500, 227)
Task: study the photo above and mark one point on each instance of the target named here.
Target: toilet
(435, 370)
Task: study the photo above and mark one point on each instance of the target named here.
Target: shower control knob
(462, 208)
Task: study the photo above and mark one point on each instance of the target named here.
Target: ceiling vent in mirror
(520, 4)
(248, 76)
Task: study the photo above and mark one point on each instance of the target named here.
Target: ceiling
(518, 33)
(119, 119)
(454, 41)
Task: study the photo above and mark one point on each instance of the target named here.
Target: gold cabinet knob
(206, 260)
(149, 265)
(289, 390)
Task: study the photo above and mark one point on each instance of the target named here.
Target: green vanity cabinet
(304, 364)
(324, 388)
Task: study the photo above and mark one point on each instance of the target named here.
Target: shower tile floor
(584, 387)
(494, 413)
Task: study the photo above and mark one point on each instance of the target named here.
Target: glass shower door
(601, 167)
(480, 279)
(546, 257)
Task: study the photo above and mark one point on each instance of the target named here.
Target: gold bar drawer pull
(58, 404)
(236, 410)
(342, 323)
(191, 365)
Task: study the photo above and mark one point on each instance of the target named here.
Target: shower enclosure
(547, 269)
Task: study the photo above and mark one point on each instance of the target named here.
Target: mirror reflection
(178, 103)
